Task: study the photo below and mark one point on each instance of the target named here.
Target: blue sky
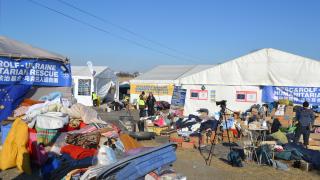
(207, 31)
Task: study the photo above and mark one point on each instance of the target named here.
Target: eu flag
(10, 98)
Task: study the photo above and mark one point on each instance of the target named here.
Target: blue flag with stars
(10, 98)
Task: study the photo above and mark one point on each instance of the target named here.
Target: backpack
(235, 159)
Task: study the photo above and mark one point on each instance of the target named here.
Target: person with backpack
(305, 119)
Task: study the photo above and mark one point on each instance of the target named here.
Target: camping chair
(250, 147)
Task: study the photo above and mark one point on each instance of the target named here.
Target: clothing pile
(65, 142)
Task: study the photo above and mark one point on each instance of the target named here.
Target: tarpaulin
(10, 97)
(295, 94)
(34, 72)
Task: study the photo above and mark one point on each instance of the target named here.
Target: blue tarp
(295, 94)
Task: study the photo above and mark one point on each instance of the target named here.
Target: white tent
(161, 80)
(264, 67)
(238, 81)
(84, 83)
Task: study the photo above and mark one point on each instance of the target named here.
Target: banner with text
(295, 94)
(34, 72)
(154, 88)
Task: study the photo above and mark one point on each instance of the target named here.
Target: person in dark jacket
(142, 106)
(150, 104)
(305, 118)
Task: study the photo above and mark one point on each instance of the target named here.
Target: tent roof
(168, 73)
(16, 49)
(84, 70)
(263, 67)
(103, 72)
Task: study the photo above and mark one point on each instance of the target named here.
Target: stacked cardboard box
(225, 137)
(314, 139)
(317, 120)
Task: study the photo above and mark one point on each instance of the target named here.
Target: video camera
(221, 103)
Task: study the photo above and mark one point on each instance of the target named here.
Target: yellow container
(156, 129)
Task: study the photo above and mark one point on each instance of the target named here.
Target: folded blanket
(89, 140)
(77, 152)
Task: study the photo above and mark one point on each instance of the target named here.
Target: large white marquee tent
(240, 81)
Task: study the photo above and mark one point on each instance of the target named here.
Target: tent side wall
(218, 93)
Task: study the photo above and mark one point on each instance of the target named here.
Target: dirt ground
(191, 164)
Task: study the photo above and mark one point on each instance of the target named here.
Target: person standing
(142, 106)
(94, 99)
(151, 100)
(305, 118)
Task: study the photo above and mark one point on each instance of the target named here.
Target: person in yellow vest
(142, 106)
(94, 99)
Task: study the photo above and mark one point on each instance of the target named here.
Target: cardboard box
(314, 142)
(187, 145)
(317, 148)
(317, 120)
(305, 166)
(176, 139)
(315, 136)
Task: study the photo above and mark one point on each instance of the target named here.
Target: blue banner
(295, 94)
(34, 72)
(179, 96)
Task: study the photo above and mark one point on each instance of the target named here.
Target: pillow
(280, 136)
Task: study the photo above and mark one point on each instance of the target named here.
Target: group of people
(146, 103)
(304, 123)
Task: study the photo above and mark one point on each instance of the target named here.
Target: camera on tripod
(221, 103)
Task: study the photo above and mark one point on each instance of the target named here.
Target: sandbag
(14, 152)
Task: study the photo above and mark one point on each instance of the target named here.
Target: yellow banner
(154, 88)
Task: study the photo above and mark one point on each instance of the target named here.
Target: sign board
(179, 96)
(154, 88)
(295, 94)
(199, 94)
(178, 100)
(246, 96)
(34, 72)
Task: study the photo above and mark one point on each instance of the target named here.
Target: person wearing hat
(305, 120)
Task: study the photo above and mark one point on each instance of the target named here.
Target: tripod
(213, 142)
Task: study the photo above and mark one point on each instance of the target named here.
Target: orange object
(30, 102)
(82, 125)
(128, 142)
